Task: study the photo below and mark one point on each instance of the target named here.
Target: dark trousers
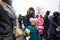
(58, 38)
(53, 37)
(45, 34)
(6, 37)
(41, 36)
(20, 25)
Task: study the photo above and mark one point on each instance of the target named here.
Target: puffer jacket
(34, 34)
(40, 23)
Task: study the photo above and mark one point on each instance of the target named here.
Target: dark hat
(48, 12)
(55, 14)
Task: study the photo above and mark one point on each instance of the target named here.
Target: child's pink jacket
(40, 23)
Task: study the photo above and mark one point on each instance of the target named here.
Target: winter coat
(20, 19)
(53, 25)
(46, 22)
(58, 33)
(34, 34)
(26, 20)
(7, 19)
(40, 23)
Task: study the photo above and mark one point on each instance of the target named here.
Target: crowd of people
(36, 27)
(47, 26)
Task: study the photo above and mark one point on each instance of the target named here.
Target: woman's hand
(36, 27)
(58, 29)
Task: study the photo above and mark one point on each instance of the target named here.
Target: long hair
(31, 8)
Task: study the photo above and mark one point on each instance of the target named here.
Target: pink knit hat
(33, 19)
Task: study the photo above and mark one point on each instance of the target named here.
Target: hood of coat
(9, 2)
(56, 14)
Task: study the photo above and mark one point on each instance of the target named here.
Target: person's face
(33, 23)
(58, 17)
(31, 12)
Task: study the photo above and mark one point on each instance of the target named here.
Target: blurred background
(40, 6)
(21, 6)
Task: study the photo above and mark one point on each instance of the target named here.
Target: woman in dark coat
(53, 25)
(30, 14)
(46, 23)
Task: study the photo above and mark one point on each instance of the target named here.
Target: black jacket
(54, 23)
(26, 20)
(20, 19)
(7, 19)
(46, 22)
